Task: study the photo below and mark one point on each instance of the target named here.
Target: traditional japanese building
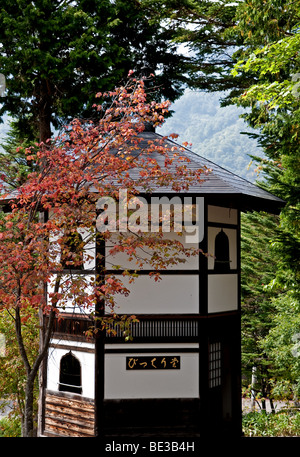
(182, 370)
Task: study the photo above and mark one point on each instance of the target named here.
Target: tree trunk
(45, 124)
(44, 111)
(296, 400)
(253, 382)
(29, 429)
(41, 374)
(264, 396)
(272, 405)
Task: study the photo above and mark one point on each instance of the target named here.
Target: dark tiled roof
(220, 181)
(219, 184)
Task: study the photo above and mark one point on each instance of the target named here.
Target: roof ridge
(207, 160)
(225, 170)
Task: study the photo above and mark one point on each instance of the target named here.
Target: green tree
(12, 370)
(206, 29)
(274, 112)
(56, 55)
(14, 165)
(258, 269)
(218, 34)
(261, 41)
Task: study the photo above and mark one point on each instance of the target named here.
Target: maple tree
(88, 161)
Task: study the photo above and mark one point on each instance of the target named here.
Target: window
(70, 374)
(214, 365)
(72, 259)
(222, 261)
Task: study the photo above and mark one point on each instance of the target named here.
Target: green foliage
(279, 424)
(207, 31)
(56, 55)
(10, 427)
(263, 40)
(277, 65)
(258, 269)
(282, 346)
(219, 34)
(261, 23)
(257, 257)
(12, 370)
(14, 165)
(274, 112)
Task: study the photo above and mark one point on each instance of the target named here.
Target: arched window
(222, 261)
(70, 374)
(72, 256)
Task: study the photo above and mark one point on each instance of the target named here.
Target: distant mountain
(215, 132)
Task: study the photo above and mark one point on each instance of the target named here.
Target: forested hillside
(215, 132)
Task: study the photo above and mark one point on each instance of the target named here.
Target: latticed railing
(147, 328)
(72, 326)
(158, 328)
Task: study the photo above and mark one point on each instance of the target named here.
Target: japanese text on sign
(153, 363)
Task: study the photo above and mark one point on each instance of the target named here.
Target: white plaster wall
(69, 304)
(89, 253)
(173, 294)
(220, 214)
(122, 259)
(87, 362)
(222, 292)
(125, 384)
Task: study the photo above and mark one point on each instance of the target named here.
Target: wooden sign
(153, 363)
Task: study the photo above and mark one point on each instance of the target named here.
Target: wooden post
(99, 341)
(253, 382)
(203, 331)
